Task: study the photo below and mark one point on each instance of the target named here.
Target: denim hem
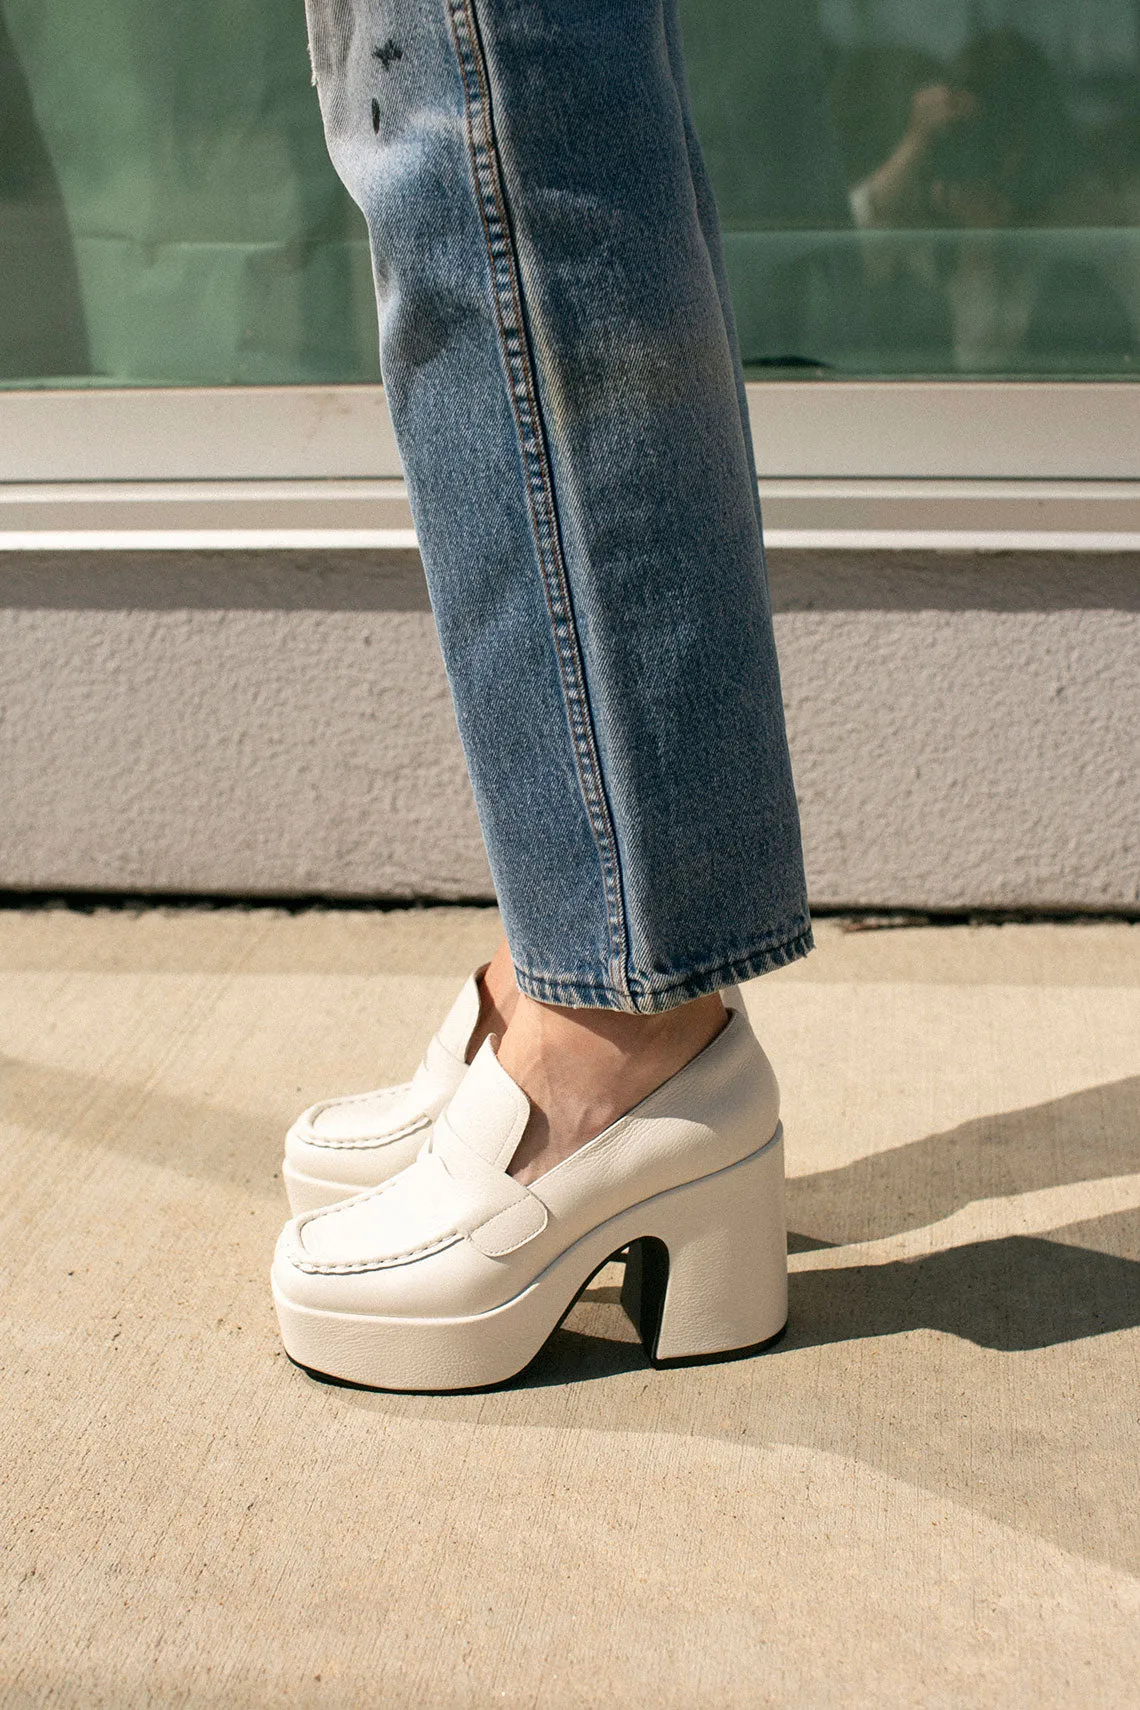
(698, 982)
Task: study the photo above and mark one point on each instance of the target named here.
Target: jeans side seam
(537, 474)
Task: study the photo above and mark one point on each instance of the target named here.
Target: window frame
(862, 464)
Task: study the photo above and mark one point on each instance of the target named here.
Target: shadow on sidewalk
(1014, 1293)
(1079, 1138)
(1010, 1295)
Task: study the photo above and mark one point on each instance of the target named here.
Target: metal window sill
(374, 515)
(978, 466)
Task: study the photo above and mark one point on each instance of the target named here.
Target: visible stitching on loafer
(343, 1267)
(415, 1127)
(508, 1211)
(392, 1093)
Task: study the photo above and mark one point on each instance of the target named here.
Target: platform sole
(707, 1278)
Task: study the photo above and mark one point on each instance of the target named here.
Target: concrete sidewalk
(927, 1495)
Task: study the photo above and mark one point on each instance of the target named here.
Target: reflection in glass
(213, 242)
(989, 160)
(42, 328)
(907, 189)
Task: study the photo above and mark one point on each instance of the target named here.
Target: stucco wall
(965, 730)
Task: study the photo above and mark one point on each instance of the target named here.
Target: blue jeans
(561, 366)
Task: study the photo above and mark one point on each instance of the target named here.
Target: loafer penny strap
(503, 1214)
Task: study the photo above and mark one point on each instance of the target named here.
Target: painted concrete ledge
(965, 728)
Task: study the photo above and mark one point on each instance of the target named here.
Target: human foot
(586, 1066)
(581, 1069)
(453, 1274)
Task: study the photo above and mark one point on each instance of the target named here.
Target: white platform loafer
(452, 1275)
(339, 1147)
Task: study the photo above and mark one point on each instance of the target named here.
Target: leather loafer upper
(456, 1234)
(359, 1141)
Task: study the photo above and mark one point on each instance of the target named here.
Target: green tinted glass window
(906, 189)
(910, 189)
(168, 211)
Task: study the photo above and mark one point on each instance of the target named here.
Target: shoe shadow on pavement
(1019, 1291)
(1012, 1293)
(1016, 1293)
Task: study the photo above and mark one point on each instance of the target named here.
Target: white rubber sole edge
(727, 1292)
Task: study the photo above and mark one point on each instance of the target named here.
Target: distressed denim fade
(562, 370)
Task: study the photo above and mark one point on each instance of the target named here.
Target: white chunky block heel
(452, 1274)
(712, 1279)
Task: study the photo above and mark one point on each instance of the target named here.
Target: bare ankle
(582, 1069)
(498, 995)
